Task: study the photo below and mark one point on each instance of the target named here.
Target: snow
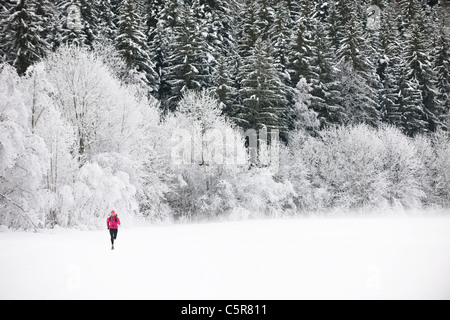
(332, 258)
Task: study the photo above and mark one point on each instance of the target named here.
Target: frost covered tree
(207, 152)
(96, 189)
(112, 129)
(23, 157)
(204, 112)
(352, 183)
(305, 118)
(441, 168)
(79, 132)
(78, 78)
(295, 173)
(93, 101)
(58, 135)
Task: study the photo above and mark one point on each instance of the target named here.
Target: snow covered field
(407, 258)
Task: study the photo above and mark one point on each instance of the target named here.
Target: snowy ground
(347, 258)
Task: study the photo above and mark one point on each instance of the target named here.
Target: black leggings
(113, 233)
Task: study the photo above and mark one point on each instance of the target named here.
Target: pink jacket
(113, 223)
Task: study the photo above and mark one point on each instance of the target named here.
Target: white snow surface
(332, 258)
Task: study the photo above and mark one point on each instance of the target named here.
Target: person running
(113, 223)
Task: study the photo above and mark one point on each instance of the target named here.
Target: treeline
(77, 142)
(253, 53)
(128, 105)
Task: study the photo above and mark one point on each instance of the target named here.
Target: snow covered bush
(294, 170)
(355, 167)
(349, 166)
(441, 146)
(403, 169)
(434, 152)
(260, 195)
(96, 192)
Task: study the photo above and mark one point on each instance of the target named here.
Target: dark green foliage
(24, 37)
(252, 54)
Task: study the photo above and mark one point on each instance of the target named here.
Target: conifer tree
(300, 50)
(78, 23)
(263, 92)
(159, 40)
(224, 86)
(108, 19)
(413, 119)
(24, 40)
(294, 10)
(302, 41)
(390, 65)
(249, 31)
(217, 17)
(389, 95)
(442, 68)
(188, 59)
(417, 55)
(322, 80)
(153, 9)
(335, 29)
(357, 76)
(158, 51)
(132, 44)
